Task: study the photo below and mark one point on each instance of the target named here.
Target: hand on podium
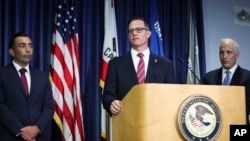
(115, 107)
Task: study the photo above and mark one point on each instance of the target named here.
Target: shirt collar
(18, 67)
(232, 70)
(145, 52)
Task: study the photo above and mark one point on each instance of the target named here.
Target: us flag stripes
(64, 71)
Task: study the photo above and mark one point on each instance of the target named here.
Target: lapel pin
(156, 60)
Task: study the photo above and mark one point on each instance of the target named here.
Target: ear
(11, 52)
(149, 33)
(238, 56)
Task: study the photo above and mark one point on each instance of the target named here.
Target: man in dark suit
(238, 76)
(122, 75)
(25, 112)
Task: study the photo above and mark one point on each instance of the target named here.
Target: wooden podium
(149, 111)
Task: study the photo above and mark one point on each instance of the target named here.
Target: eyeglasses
(138, 30)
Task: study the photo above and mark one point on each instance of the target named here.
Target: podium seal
(199, 118)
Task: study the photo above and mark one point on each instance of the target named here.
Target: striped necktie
(141, 69)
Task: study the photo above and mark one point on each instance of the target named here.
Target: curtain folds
(37, 18)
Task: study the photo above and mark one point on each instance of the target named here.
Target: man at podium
(138, 66)
(230, 73)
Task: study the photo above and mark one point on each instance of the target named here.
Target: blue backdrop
(37, 19)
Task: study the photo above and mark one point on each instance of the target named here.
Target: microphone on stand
(180, 59)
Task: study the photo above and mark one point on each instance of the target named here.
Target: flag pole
(107, 127)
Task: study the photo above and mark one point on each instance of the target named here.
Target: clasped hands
(29, 133)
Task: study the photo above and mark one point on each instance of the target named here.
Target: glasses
(138, 30)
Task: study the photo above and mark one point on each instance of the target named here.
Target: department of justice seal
(199, 118)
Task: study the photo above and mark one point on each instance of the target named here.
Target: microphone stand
(182, 62)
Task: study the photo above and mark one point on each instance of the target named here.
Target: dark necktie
(227, 78)
(24, 80)
(141, 69)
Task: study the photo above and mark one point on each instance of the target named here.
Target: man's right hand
(115, 107)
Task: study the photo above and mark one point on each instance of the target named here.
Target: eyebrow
(22, 43)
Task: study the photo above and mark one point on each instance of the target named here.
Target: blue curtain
(37, 18)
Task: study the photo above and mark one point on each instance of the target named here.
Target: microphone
(182, 62)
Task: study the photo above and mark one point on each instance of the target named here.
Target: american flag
(64, 71)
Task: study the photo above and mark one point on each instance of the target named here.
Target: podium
(150, 111)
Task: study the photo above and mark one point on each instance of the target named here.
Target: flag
(193, 59)
(110, 50)
(64, 73)
(156, 45)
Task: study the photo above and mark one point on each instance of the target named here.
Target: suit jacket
(121, 76)
(18, 110)
(241, 77)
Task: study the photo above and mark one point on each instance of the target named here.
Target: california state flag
(110, 50)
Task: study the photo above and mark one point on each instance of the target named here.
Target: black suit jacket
(17, 110)
(121, 76)
(241, 77)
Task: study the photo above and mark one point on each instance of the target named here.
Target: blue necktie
(227, 78)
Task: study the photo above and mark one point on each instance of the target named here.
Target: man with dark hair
(26, 101)
(138, 66)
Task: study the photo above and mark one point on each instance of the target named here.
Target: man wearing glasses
(138, 66)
